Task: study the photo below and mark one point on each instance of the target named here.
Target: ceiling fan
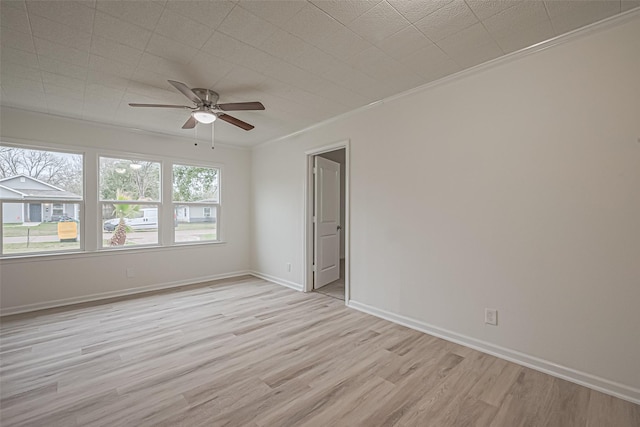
(206, 109)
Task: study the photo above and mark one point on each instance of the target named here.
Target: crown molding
(126, 128)
(513, 56)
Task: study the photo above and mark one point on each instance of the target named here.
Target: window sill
(10, 259)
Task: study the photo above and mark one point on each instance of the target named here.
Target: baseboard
(603, 385)
(114, 294)
(278, 280)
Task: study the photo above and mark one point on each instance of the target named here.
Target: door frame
(308, 216)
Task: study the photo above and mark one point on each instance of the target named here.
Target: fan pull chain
(195, 135)
(212, 133)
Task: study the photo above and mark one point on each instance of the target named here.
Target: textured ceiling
(305, 60)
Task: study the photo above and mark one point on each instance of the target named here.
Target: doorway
(35, 212)
(326, 219)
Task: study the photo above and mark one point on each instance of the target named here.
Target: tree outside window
(41, 196)
(130, 199)
(196, 201)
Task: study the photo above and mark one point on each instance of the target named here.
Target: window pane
(38, 174)
(43, 216)
(196, 223)
(123, 179)
(195, 184)
(129, 224)
(59, 233)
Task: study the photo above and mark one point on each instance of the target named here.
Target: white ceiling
(306, 61)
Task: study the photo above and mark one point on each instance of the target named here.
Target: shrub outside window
(129, 201)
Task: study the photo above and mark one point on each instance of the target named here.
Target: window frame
(81, 202)
(90, 225)
(101, 203)
(216, 206)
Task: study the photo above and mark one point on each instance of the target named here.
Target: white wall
(515, 187)
(340, 156)
(38, 281)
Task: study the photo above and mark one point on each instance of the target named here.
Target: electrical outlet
(491, 316)
(289, 267)
(131, 272)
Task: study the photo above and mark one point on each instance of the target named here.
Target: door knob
(339, 228)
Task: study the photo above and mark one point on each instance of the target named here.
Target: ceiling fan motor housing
(209, 98)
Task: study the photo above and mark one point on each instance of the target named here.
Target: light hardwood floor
(246, 352)
(335, 289)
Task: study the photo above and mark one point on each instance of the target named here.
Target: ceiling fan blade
(190, 123)
(230, 119)
(160, 106)
(240, 106)
(186, 91)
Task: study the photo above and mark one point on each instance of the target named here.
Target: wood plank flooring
(335, 289)
(245, 352)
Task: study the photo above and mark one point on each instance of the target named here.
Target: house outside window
(41, 200)
(196, 202)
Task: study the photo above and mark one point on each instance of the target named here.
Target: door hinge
(314, 219)
(314, 170)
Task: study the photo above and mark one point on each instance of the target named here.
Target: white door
(327, 222)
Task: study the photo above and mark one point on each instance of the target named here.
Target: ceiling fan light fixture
(206, 109)
(205, 117)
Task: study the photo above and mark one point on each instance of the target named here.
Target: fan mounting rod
(209, 98)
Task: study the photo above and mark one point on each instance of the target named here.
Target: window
(41, 195)
(43, 198)
(58, 209)
(196, 203)
(130, 201)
